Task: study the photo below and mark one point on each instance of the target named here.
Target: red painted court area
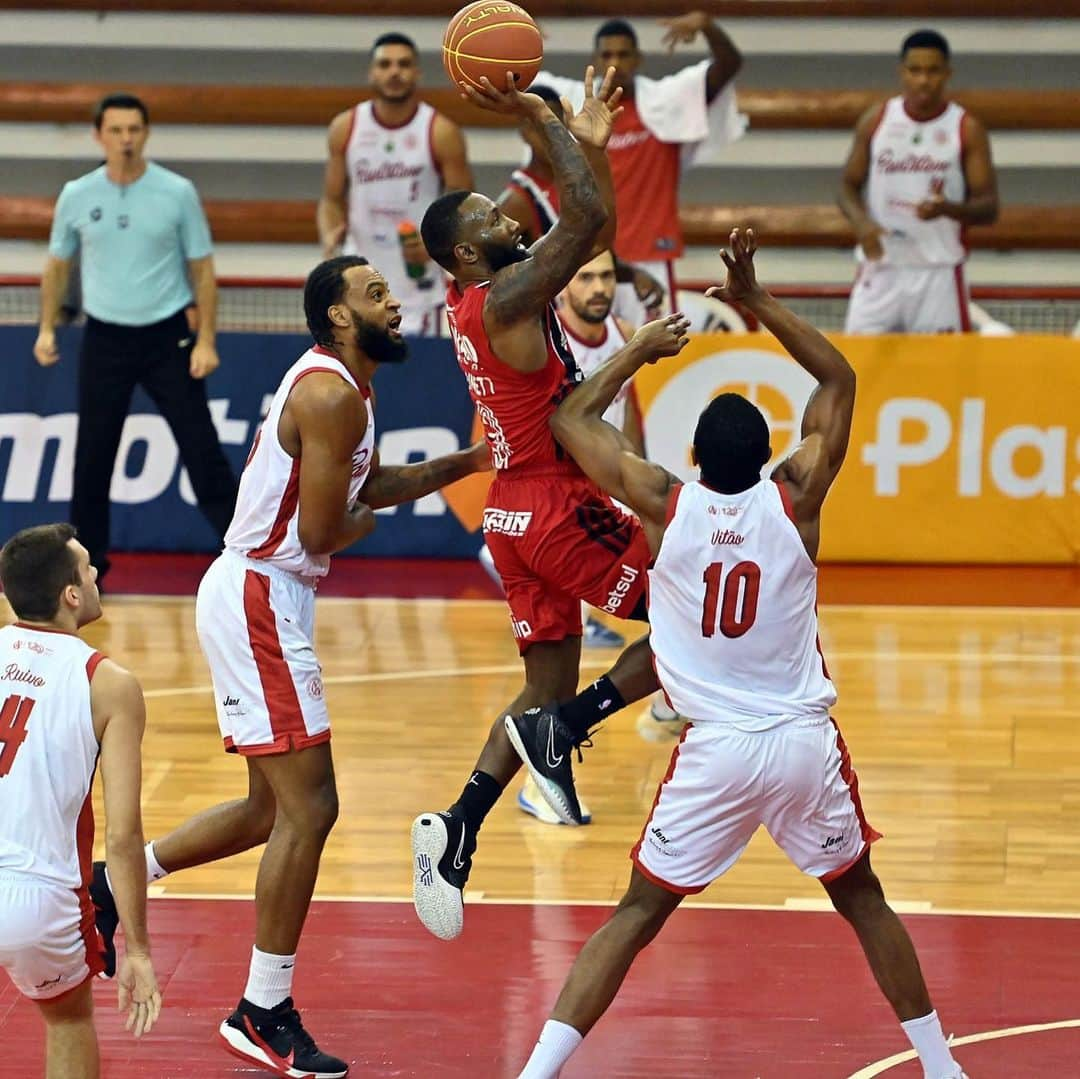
(723, 994)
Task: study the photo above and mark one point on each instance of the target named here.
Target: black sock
(476, 799)
(591, 706)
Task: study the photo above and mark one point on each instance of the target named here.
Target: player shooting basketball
(556, 539)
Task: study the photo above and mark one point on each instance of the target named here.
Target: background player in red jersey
(555, 538)
(761, 748)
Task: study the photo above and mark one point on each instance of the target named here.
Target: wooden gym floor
(963, 723)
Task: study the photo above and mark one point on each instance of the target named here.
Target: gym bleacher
(240, 95)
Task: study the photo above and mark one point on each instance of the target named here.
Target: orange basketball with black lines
(490, 38)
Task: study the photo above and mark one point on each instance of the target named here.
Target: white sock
(929, 1042)
(154, 870)
(554, 1048)
(269, 978)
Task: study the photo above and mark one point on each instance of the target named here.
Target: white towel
(674, 108)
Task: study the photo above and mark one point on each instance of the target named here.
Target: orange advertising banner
(963, 449)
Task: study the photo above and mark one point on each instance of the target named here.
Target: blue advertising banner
(422, 410)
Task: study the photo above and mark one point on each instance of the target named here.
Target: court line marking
(429, 601)
(968, 1039)
(981, 658)
(794, 904)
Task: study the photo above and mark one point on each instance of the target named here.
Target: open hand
(138, 993)
(592, 125)
(683, 29)
(741, 283)
(663, 337)
(507, 102)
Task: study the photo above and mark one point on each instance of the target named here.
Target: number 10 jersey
(732, 605)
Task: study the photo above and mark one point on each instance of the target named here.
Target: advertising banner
(422, 410)
(963, 449)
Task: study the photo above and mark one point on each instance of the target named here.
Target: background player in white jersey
(732, 603)
(389, 158)
(309, 489)
(64, 707)
(919, 171)
(594, 335)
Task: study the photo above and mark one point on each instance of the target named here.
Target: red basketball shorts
(556, 541)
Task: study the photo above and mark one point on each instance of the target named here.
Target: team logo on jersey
(360, 463)
(506, 522)
(315, 688)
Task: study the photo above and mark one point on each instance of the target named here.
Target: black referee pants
(113, 361)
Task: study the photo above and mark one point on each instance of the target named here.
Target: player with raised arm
(733, 593)
(555, 538)
(309, 489)
(65, 707)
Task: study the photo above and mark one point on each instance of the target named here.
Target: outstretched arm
(603, 452)
(390, 485)
(727, 60)
(522, 291)
(826, 425)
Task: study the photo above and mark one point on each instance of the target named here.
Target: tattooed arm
(390, 485)
(520, 292)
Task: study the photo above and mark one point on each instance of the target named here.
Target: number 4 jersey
(48, 753)
(732, 605)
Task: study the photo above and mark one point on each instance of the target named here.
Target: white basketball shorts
(256, 627)
(908, 299)
(48, 943)
(723, 783)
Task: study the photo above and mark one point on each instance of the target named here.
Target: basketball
(486, 38)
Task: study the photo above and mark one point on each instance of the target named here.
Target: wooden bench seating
(44, 102)
(285, 222)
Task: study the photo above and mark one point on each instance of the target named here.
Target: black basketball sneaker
(277, 1040)
(545, 745)
(105, 917)
(442, 846)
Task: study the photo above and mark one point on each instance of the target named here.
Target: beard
(593, 314)
(499, 258)
(378, 345)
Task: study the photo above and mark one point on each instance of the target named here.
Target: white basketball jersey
(266, 523)
(732, 610)
(911, 161)
(48, 753)
(393, 178)
(590, 357)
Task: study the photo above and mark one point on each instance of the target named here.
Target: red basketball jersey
(514, 406)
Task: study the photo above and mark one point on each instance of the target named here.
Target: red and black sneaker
(277, 1040)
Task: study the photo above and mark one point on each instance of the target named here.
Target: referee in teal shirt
(143, 241)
